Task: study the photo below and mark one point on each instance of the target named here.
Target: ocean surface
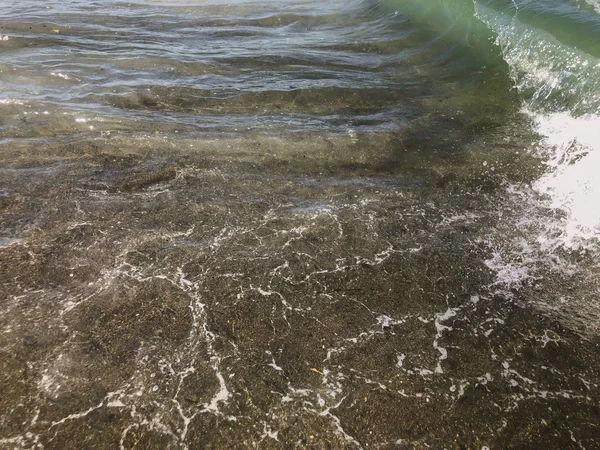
(300, 224)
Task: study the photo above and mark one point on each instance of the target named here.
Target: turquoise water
(552, 47)
(299, 224)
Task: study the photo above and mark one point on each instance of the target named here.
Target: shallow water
(298, 224)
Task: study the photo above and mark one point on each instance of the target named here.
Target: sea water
(299, 224)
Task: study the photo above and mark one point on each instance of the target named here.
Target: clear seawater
(299, 224)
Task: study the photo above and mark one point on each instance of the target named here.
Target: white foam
(440, 329)
(220, 397)
(595, 4)
(508, 273)
(572, 148)
(115, 404)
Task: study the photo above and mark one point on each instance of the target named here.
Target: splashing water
(560, 87)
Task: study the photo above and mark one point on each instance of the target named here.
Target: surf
(552, 50)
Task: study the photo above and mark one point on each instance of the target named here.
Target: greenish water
(299, 224)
